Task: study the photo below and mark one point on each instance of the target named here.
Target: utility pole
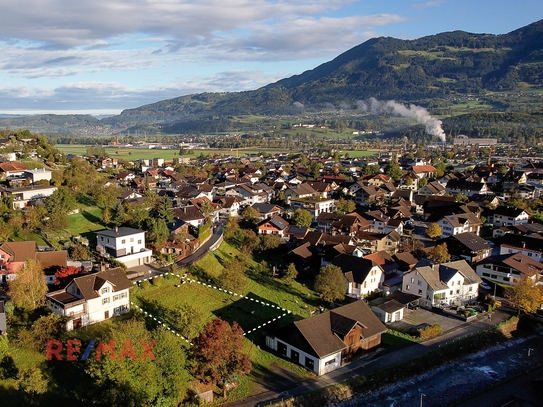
(421, 396)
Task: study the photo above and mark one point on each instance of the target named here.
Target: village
(365, 242)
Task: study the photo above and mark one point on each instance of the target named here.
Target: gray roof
(119, 232)
(472, 241)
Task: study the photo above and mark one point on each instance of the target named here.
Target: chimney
(116, 229)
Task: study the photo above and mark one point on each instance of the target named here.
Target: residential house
(467, 188)
(391, 308)
(189, 214)
(348, 224)
(507, 216)
(274, 226)
(441, 285)
(423, 171)
(432, 188)
(37, 175)
(363, 275)
(468, 246)
(327, 341)
(527, 245)
(230, 205)
(92, 298)
(314, 205)
(454, 224)
(12, 170)
(126, 245)
(24, 196)
(266, 210)
(509, 269)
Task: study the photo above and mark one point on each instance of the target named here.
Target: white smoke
(361, 105)
(420, 114)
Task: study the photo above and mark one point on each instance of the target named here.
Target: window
(105, 300)
(412, 280)
(451, 292)
(420, 292)
(419, 282)
(457, 291)
(407, 286)
(131, 240)
(329, 362)
(452, 284)
(123, 241)
(139, 241)
(115, 297)
(105, 290)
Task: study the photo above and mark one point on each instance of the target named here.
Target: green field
(168, 155)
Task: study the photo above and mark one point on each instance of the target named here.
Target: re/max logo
(73, 350)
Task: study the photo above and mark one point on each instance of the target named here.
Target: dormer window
(105, 290)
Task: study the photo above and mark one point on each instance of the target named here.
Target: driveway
(420, 316)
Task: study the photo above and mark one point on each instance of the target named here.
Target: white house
(509, 269)
(363, 276)
(92, 298)
(453, 283)
(327, 341)
(507, 216)
(23, 196)
(39, 174)
(124, 244)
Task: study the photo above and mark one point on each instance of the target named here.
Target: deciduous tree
(28, 289)
(439, 254)
(433, 231)
(250, 214)
(331, 283)
(302, 217)
(344, 206)
(525, 296)
(218, 354)
(291, 273)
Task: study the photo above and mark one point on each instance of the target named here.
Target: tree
(331, 283)
(290, 274)
(60, 201)
(269, 242)
(525, 296)
(135, 379)
(189, 320)
(302, 217)
(32, 382)
(394, 170)
(230, 228)
(439, 254)
(218, 355)
(66, 273)
(460, 197)
(250, 214)
(344, 206)
(158, 232)
(28, 289)
(232, 277)
(433, 231)
(117, 214)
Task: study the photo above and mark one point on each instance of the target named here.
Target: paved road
(152, 270)
(373, 363)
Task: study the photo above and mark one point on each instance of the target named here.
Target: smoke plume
(420, 114)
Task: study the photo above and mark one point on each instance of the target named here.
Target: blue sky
(103, 56)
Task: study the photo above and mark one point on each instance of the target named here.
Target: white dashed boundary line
(286, 312)
(161, 323)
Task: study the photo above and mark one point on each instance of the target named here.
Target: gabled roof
(356, 269)
(517, 261)
(322, 334)
(471, 241)
(277, 221)
(20, 251)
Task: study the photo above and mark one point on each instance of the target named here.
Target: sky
(103, 56)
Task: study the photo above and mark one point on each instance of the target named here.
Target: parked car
(485, 285)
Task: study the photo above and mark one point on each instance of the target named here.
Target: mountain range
(441, 66)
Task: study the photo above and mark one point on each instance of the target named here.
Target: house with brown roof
(509, 269)
(439, 285)
(13, 256)
(13, 169)
(325, 342)
(92, 298)
(274, 226)
(363, 276)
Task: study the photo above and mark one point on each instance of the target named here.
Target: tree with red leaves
(65, 273)
(218, 354)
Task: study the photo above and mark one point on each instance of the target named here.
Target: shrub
(157, 281)
(145, 284)
(430, 332)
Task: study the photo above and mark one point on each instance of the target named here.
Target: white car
(486, 286)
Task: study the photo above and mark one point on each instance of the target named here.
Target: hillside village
(406, 230)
